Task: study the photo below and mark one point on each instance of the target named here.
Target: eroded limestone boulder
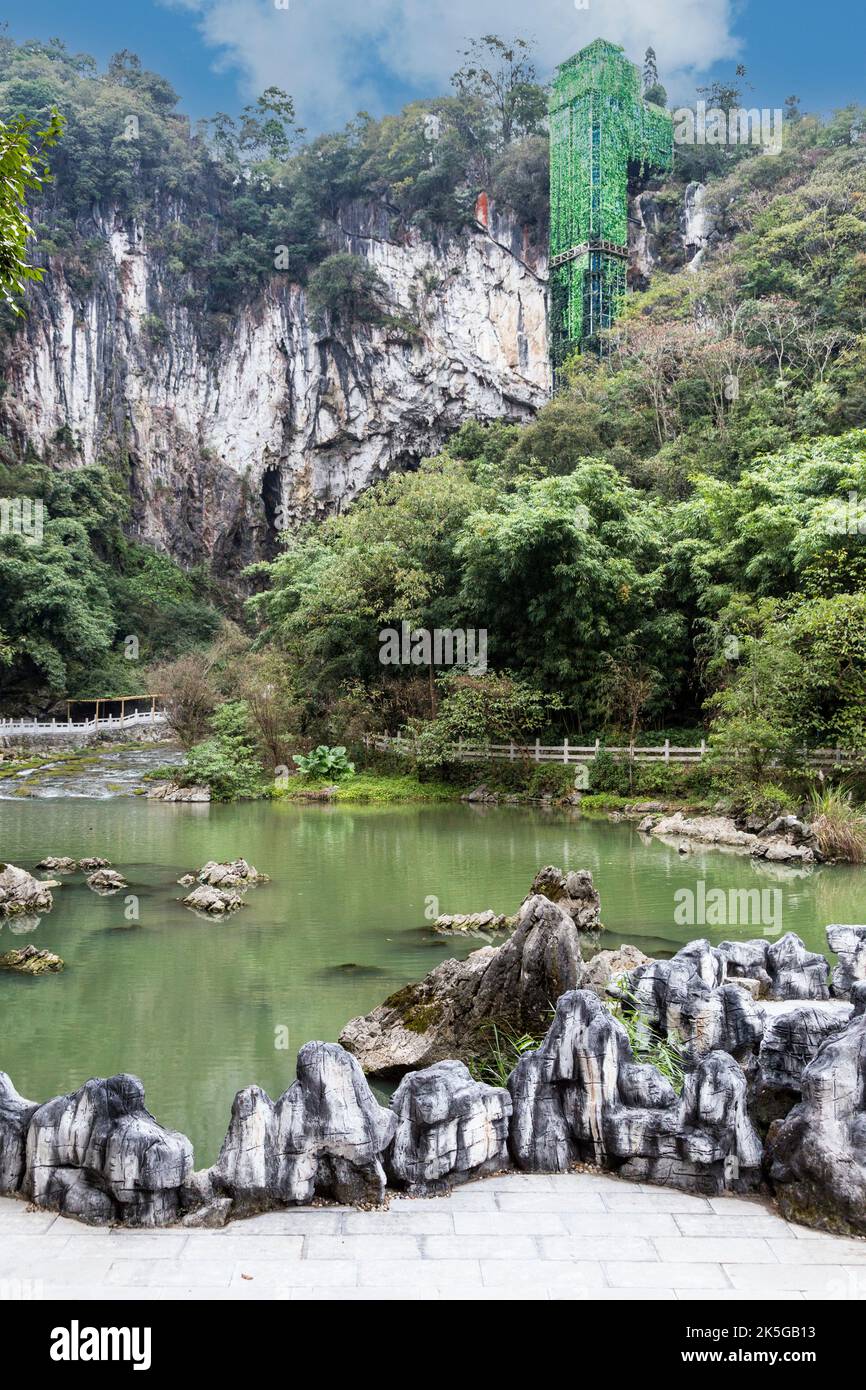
(63, 865)
(15, 1116)
(106, 881)
(20, 892)
(574, 892)
(171, 791)
(448, 1014)
(488, 921)
(29, 960)
(583, 1096)
(794, 1031)
(237, 874)
(95, 861)
(325, 1137)
(816, 1156)
(449, 1128)
(609, 969)
(98, 1154)
(687, 1000)
(216, 902)
(849, 944)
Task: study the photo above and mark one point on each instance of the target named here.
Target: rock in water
(449, 1128)
(816, 1156)
(95, 861)
(58, 866)
(98, 1154)
(325, 1137)
(448, 1014)
(170, 791)
(28, 960)
(214, 901)
(106, 881)
(582, 1096)
(237, 874)
(20, 892)
(15, 1116)
(574, 892)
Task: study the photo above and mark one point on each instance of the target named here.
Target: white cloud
(337, 57)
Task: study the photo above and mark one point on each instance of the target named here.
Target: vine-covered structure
(602, 133)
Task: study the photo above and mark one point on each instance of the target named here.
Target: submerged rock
(170, 791)
(20, 892)
(214, 901)
(325, 1137)
(474, 921)
(99, 1154)
(449, 1012)
(106, 881)
(583, 1096)
(449, 1128)
(28, 960)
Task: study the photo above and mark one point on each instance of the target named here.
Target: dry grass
(840, 827)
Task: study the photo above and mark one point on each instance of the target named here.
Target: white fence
(64, 727)
(566, 752)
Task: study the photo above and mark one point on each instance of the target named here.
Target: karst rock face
(324, 1137)
(449, 1128)
(849, 944)
(287, 416)
(15, 1116)
(99, 1154)
(816, 1156)
(583, 1096)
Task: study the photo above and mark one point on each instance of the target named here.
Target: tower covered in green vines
(602, 133)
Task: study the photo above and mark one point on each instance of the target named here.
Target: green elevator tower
(602, 133)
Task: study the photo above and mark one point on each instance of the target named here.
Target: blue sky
(339, 56)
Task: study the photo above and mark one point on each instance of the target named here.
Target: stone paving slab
(578, 1235)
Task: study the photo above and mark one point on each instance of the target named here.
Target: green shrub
(324, 762)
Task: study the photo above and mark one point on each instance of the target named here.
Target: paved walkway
(517, 1236)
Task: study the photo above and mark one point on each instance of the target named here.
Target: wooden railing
(567, 752)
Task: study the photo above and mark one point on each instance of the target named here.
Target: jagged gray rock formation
(449, 1128)
(20, 892)
(448, 1014)
(487, 921)
(574, 892)
(99, 1154)
(608, 970)
(15, 1116)
(816, 1156)
(324, 1137)
(63, 865)
(783, 968)
(289, 416)
(582, 1096)
(793, 1033)
(687, 1000)
(849, 944)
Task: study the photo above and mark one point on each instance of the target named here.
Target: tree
(23, 170)
(347, 287)
(504, 76)
(652, 87)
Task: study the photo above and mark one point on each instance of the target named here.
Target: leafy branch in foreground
(23, 170)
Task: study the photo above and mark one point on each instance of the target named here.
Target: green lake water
(194, 1007)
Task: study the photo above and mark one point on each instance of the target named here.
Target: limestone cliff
(286, 417)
